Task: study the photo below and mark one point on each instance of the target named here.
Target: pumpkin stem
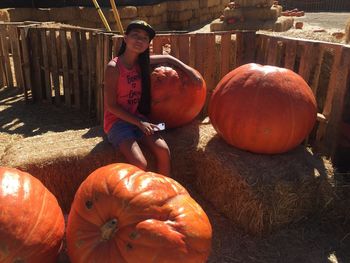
(108, 229)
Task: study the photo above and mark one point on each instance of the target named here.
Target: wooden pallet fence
(62, 65)
(311, 60)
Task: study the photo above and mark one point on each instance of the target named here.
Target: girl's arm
(110, 86)
(159, 59)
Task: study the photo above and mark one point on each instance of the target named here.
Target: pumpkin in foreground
(263, 109)
(121, 214)
(175, 98)
(31, 221)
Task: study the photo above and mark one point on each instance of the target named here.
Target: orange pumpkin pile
(31, 221)
(263, 109)
(121, 214)
(175, 98)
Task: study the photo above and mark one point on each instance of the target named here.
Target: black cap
(141, 25)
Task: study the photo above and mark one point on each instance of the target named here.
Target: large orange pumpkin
(121, 214)
(31, 221)
(175, 98)
(263, 109)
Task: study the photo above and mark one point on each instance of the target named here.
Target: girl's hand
(147, 127)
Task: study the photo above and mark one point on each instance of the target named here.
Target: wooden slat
(91, 45)
(3, 81)
(65, 69)
(75, 66)
(106, 58)
(84, 67)
(209, 68)
(46, 55)
(174, 43)
(272, 52)
(184, 48)
(200, 56)
(327, 133)
(291, 51)
(26, 62)
(239, 49)
(193, 49)
(6, 54)
(16, 55)
(36, 64)
(316, 76)
(261, 52)
(245, 52)
(225, 54)
(158, 43)
(54, 66)
(307, 60)
(117, 42)
(99, 77)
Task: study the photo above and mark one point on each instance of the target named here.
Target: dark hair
(144, 106)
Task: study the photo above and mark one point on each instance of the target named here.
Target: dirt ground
(314, 23)
(322, 238)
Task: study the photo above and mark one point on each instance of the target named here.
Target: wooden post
(3, 80)
(26, 62)
(54, 66)
(75, 65)
(91, 45)
(46, 54)
(225, 54)
(84, 65)
(174, 44)
(6, 55)
(37, 91)
(291, 51)
(16, 55)
(65, 69)
(184, 48)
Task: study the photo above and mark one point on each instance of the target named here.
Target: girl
(127, 98)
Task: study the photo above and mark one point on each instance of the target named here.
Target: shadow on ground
(27, 119)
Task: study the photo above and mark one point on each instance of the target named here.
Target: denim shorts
(121, 131)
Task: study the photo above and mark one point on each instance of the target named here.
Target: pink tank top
(128, 93)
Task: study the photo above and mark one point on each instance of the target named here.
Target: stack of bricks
(252, 15)
(168, 15)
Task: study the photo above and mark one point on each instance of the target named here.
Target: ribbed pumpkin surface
(122, 214)
(31, 221)
(176, 99)
(263, 109)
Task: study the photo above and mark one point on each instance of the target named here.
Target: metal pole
(117, 17)
(103, 18)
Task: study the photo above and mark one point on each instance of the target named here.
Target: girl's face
(137, 40)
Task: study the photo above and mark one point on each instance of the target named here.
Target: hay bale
(260, 193)
(61, 161)
(64, 14)
(20, 14)
(347, 32)
(254, 3)
(252, 13)
(4, 15)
